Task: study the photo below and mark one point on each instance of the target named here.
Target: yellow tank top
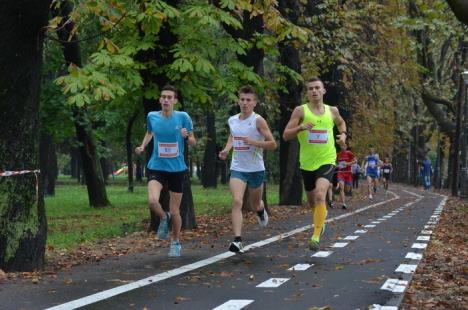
(317, 146)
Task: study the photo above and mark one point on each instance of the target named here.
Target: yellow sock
(320, 215)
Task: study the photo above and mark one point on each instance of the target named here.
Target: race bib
(386, 171)
(342, 164)
(317, 136)
(239, 145)
(372, 164)
(168, 150)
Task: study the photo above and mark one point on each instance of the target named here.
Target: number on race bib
(168, 150)
(239, 145)
(317, 136)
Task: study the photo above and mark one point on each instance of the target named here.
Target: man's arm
(269, 143)
(293, 127)
(227, 148)
(340, 125)
(146, 139)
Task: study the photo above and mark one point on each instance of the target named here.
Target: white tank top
(246, 158)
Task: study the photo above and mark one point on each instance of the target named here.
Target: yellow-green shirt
(317, 146)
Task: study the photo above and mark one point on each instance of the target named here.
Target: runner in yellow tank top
(312, 124)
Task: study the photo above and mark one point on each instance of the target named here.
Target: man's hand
(184, 133)
(139, 150)
(307, 126)
(341, 139)
(223, 154)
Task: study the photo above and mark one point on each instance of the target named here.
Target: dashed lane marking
(416, 256)
(322, 254)
(273, 282)
(300, 267)
(234, 304)
(406, 268)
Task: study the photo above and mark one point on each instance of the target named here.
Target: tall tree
(23, 225)
(93, 175)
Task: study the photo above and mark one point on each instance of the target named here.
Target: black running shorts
(174, 180)
(311, 177)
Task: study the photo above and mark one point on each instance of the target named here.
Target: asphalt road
(368, 255)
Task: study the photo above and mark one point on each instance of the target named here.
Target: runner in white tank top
(246, 158)
(250, 135)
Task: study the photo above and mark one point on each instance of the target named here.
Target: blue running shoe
(175, 249)
(163, 229)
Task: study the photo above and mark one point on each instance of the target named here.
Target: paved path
(368, 256)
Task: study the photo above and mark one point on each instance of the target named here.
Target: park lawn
(72, 222)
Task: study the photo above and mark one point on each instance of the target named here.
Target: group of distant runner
(311, 123)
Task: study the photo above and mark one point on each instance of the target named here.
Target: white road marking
(339, 244)
(234, 304)
(379, 307)
(369, 226)
(350, 237)
(376, 222)
(419, 246)
(360, 231)
(273, 282)
(322, 254)
(423, 238)
(387, 216)
(412, 255)
(429, 226)
(90, 299)
(414, 194)
(381, 219)
(426, 232)
(406, 268)
(300, 267)
(395, 285)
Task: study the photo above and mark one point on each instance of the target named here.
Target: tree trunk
(95, 184)
(209, 176)
(129, 148)
(48, 161)
(290, 177)
(23, 224)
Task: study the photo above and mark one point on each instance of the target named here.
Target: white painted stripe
(419, 245)
(90, 299)
(273, 282)
(360, 231)
(387, 216)
(412, 255)
(376, 222)
(409, 204)
(405, 268)
(423, 238)
(426, 232)
(394, 285)
(379, 307)
(339, 244)
(351, 237)
(300, 267)
(369, 226)
(381, 219)
(234, 304)
(414, 194)
(322, 254)
(429, 226)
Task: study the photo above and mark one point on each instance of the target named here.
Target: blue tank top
(372, 162)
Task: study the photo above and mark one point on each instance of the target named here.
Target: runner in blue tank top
(169, 129)
(371, 163)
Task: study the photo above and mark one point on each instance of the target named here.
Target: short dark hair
(248, 89)
(170, 88)
(314, 79)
